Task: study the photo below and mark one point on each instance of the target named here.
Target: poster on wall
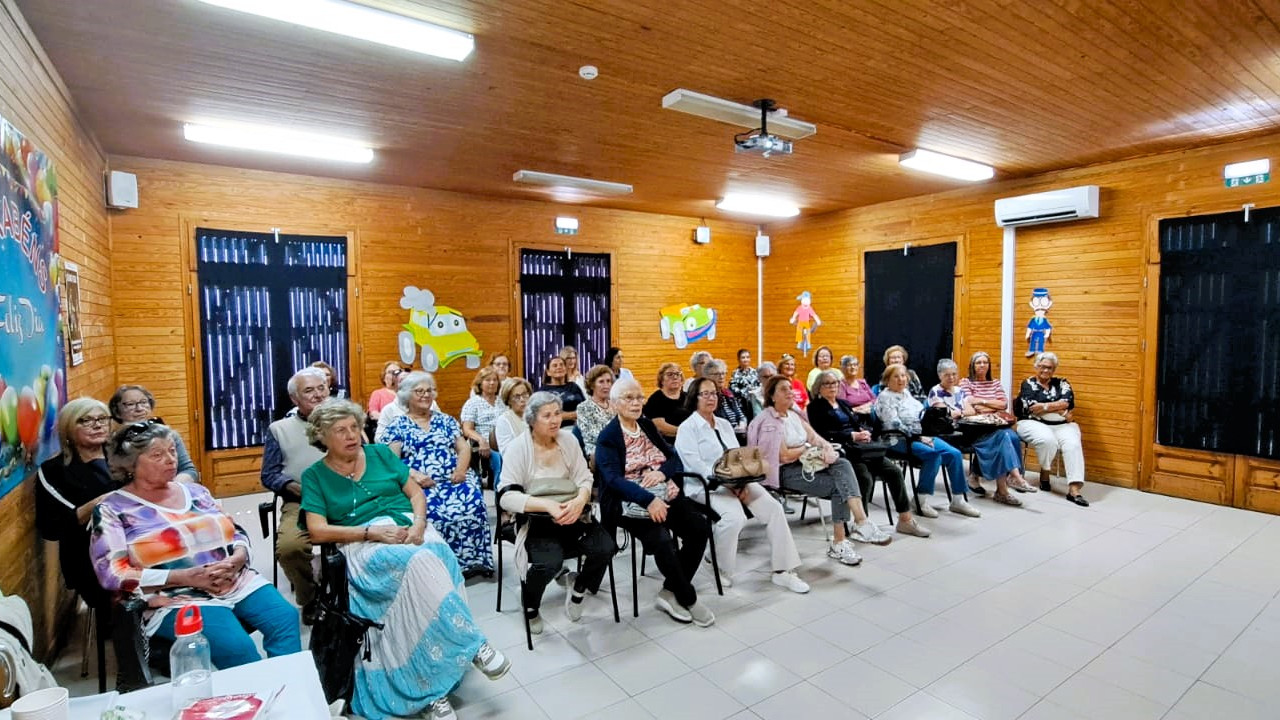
(71, 297)
(32, 349)
(687, 323)
(1038, 328)
(806, 320)
(438, 330)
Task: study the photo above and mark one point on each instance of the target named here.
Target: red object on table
(224, 707)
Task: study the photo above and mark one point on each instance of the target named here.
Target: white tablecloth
(302, 699)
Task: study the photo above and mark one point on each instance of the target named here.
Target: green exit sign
(1247, 180)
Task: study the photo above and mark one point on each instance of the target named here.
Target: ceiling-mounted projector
(759, 140)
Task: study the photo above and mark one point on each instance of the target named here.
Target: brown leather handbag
(738, 465)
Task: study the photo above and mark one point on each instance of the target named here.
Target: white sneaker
(725, 581)
(909, 526)
(790, 581)
(844, 552)
(535, 625)
(572, 609)
(442, 710)
(960, 506)
(701, 615)
(490, 661)
(869, 532)
(666, 602)
(926, 510)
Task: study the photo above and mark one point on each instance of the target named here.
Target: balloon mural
(32, 350)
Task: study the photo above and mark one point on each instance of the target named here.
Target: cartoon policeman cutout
(1038, 328)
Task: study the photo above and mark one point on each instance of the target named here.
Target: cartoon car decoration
(687, 323)
(439, 330)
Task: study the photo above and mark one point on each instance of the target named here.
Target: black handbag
(337, 636)
(874, 450)
(937, 422)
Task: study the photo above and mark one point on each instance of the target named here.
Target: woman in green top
(364, 498)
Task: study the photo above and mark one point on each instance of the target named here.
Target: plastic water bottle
(190, 665)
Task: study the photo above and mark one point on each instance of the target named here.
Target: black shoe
(309, 613)
(1078, 499)
(978, 490)
(1044, 485)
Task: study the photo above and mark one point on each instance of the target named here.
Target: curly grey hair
(538, 401)
(330, 413)
(130, 442)
(848, 359)
(1050, 356)
(697, 359)
(409, 383)
(713, 365)
(832, 373)
(769, 366)
(946, 364)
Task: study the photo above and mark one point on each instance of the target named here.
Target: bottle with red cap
(190, 665)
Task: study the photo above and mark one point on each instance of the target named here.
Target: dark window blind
(1218, 365)
(268, 306)
(565, 300)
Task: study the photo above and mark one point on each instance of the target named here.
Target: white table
(302, 699)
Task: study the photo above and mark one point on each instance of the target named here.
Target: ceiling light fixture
(278, 140)
(1247, 168)
(566, 225)
(945, 165)
(714, 108)
(552, 180)
(363, 22)
(758, 205)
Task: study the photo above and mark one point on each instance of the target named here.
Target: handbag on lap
(738, 466)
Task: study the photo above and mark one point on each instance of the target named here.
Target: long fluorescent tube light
(714, 108)
(552, 180)
(946, 165)
(1247, 168)
(277, 140)
(758, 205)
(363, 22)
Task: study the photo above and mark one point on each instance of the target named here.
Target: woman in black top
(556, 382)
(835, 420)
(665, 407)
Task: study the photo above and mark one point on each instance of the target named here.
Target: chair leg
(635, 580)
(804, 507)
(715, 564)
(88, 638)
(887, 511)
(613, 593)
(101, 619)
(915, 490)
(498, 550)
(528, 633)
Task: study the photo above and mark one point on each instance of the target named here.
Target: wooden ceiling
(1024, 86)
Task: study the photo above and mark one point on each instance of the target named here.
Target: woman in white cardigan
(700, 441)
(545, 477)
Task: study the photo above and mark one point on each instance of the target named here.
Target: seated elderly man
(286, 452)
(1044, 409)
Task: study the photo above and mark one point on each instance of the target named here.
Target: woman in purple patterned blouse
(168, 544)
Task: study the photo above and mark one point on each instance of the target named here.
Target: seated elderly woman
(986, 395)
(822, 360)
(432, 443)
(853, 389)
(784, 436)
(764, 372)
(478, 415)
(400, 572)
(556, 380)
(897, 355)
(998, 450)
(665, 407)
(729, 407)
(515, 394)
(700, 442)
(745, 380)
(635, 466)
(1044, 408)
(900, 411)
(787, 369)
(134, 403)
(546, 478)
(596, 411)
(837, 422)
(165, 544)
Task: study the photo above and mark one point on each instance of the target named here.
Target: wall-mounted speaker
(762, 245)
(122, 190)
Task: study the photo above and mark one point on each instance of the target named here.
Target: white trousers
(1049, 440)
(782, 547)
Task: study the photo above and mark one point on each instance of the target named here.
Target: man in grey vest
(285, 454)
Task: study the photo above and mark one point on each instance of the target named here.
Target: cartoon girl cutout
(805, 320)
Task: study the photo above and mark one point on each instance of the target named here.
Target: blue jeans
(931, 458)
(227, 629)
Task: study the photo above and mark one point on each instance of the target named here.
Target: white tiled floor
(1140, 606)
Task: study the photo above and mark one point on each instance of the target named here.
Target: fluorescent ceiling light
(939, 164)
(758, 205)
(277, 140)
(1245, 169)
(552, 180)
(707, 106)
(363, 22)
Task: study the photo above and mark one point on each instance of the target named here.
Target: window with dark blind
(1218, 376)
(565, 300)
(269, 306)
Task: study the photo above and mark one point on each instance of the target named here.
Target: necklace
(632, 433)
(333, 465)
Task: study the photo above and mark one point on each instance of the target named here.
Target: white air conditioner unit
(1048, 207)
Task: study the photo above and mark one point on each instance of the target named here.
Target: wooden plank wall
(1103, 314)
(33, 98)
(459, 246)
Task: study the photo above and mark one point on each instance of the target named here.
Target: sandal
(1007, 499)
(1021, 486)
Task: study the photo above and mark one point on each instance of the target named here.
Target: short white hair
(409, 383)
(314, 373)
(621, 386)
(1051, 357)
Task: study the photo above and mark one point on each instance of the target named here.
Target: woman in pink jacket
(783, 434)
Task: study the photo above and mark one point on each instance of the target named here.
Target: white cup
(48, 704)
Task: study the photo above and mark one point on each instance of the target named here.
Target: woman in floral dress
(432, 443)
